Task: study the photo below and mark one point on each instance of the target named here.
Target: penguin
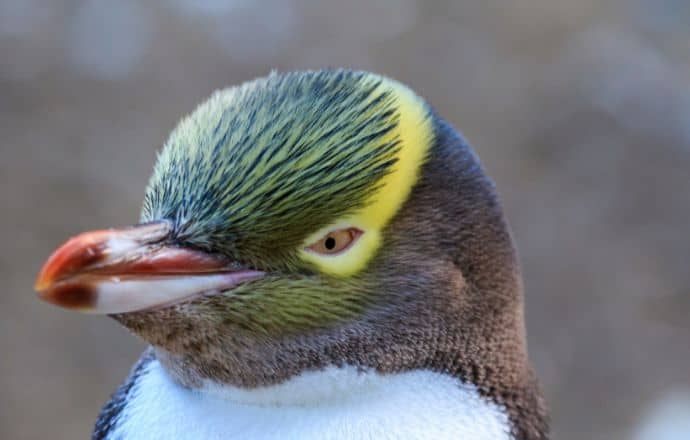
(319, 255)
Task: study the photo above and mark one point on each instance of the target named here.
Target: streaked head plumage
(258, 169)
(260, 172)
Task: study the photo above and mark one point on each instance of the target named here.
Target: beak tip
(75, 296)
(42, 283)
(75, 254)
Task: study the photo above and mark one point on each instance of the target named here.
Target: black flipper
(108, 417)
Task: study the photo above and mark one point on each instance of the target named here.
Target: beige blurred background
(580, 111)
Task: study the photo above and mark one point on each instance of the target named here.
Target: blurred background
(580, 110)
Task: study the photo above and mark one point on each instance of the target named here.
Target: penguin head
(295, 176)
(302, 220)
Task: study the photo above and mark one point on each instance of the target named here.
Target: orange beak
(125, 270)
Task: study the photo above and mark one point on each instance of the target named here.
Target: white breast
(336, 403)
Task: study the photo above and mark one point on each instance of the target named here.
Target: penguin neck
(326, 386)
(315, 404)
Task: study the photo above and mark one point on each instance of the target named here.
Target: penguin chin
(174, 326)
(192, 326)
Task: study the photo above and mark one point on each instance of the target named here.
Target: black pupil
(330, 243)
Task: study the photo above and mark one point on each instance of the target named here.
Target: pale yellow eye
(335, 241)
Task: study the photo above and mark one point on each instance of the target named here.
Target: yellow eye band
(415, 133)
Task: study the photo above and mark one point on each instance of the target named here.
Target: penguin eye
(335, 241)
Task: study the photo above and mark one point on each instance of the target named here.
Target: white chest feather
(336, 403)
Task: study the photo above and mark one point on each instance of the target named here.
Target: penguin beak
(132, 269)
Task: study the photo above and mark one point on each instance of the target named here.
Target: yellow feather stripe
(415, 132)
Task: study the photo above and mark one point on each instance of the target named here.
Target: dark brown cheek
(72, 295)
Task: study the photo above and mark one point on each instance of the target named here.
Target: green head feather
(258, 168)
